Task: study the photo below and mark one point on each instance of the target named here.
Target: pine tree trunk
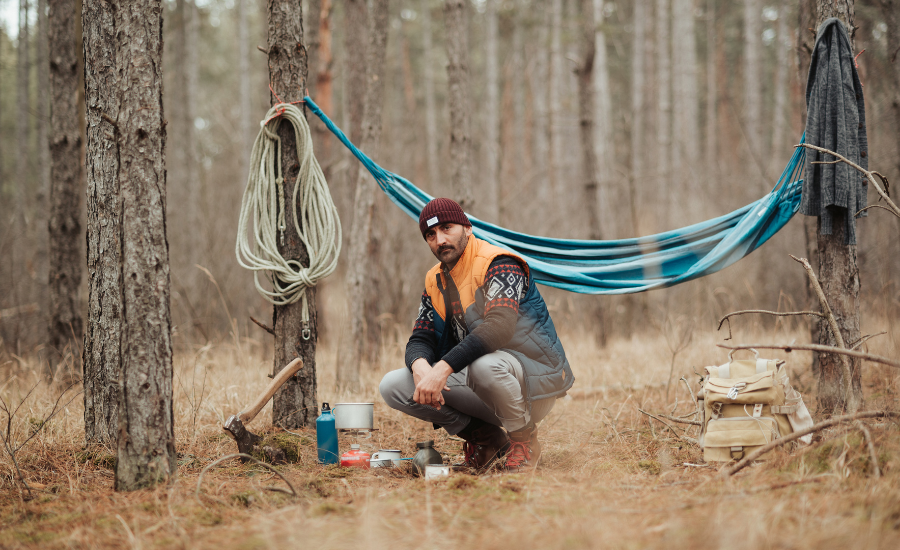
(603, 124)
(637, 96)
(245, 124)
(752, 75)
(361, 231)
(23, 106)
(294, 404)
(538, 86)
(712, 96)
(65, 232)
(491, 180)
(517, 82)
(103, 338)
(456, 20)
(685, 107)
(42, 210)
(586, 111)
(839, 276)
(890, 10)
(146, 448)
(431, 132)
(557, 71)
(663, 107)
(780, 117)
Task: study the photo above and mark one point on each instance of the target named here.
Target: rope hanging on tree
(264, 203)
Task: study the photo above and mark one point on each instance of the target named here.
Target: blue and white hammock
(627, 265)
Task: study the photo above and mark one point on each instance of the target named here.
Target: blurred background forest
(698, 106)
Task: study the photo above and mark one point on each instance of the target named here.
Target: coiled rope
(319, 226)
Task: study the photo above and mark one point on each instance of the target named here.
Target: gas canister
(355, 458)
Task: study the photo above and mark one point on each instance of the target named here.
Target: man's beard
(456, 250)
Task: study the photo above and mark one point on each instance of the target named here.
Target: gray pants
(491, 388)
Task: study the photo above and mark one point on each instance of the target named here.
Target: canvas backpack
(747, 404)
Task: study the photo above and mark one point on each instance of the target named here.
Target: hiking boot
(524, 450)
(484, 443)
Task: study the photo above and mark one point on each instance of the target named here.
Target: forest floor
(608, 478)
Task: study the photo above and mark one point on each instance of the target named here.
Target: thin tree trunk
(780, 117)
(491, 182)
(324, 85)
(355, 30)
(192, 89)
(586, 112)
(65, 232)
(457, 24)
(360, 233)
(103, 339)
(294, 404)
(603, 123)
(245, 125)
(752, 74)
(712, 96)
(839, 276)
(431, 133)
(686, 116)
(663, 108)
(890, 10)
(146, 448)
(637, 99)
(555, 99)
(23, 105)
(517, 82)
(538, 85)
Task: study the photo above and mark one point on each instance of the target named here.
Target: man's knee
(394, 388)
(486, 372)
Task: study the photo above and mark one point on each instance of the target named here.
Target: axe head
(246, 440)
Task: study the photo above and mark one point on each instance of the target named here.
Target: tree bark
(752, 74)
(355, 29)
(663, 108)
(146, 446)
(456, 18)
(42, 210)
(637, 96)
(65, 322)
(361, 230)
(890, 10)
(538, 86)
(23, 106)
(839, 276)
(603, 123)
(555, 86)
(431, 133)
(491, 183)
(294, 404)
(586, 111)
(103, 339)
(245, 124)
(686, 116)
(780, 117)
(712, 96)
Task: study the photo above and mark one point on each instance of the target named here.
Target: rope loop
(262, 216)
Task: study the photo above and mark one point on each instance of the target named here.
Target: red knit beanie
(442, 211)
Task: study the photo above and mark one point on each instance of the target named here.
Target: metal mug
(386, 458)
(437, 471)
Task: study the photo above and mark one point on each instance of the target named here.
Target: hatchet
(247, 440)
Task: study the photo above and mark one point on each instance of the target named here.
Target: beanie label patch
(431, 221)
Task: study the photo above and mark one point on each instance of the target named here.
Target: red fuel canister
(355, 458)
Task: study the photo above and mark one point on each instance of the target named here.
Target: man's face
(448, 241)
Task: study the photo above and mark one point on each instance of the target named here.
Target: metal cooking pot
(354, 416)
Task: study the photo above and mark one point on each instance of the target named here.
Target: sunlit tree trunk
(490, 207)
(456, 22)
(66, 185)
(360, 233)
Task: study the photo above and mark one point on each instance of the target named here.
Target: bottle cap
(354, 446)
(425, 444)
(326, 407)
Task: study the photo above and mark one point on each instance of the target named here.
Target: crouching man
(484, 352)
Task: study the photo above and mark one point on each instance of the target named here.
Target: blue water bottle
(326, 437)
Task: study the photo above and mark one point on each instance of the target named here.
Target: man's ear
(468, 230)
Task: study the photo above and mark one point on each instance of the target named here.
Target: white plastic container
(437, 471)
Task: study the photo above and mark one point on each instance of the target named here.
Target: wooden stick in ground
(735, 468)
(869, 175)
(849, 398)
(819, 347)
(873, 458)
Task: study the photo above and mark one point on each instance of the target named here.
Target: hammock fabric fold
(627, 265)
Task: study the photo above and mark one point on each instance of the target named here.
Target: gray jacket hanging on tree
(836, 120)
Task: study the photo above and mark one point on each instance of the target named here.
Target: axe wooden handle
(250, 413)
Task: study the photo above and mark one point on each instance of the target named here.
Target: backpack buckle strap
(757, 410)
(716, 410)
(737, 453)
(733, 392)
(785, 409)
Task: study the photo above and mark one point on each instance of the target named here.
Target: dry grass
(608, 479)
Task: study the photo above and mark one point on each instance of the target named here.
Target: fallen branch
(687, 439)
(247, 457)
(735, 468)
(870, 176)
(873, 457)
(819, 348)
(682, 420)
(776, 313)
(849, 396)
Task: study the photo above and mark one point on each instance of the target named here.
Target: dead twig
(849, 396)
(244, 456)
(733, 469)
(681, 420)
(820, 348)
(873, 457)
(263, 326)
(776, 313)
(870, 176)
(690, 440)
(865, 339)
